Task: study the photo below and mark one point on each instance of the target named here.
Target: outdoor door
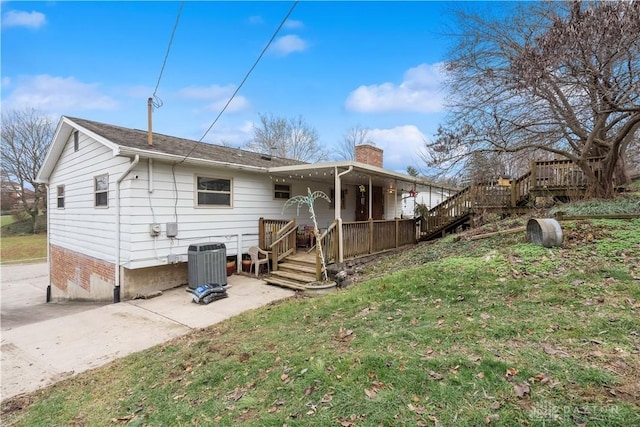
(362, 204)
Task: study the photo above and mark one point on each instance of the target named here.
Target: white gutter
(48, 299)
(116, 288)
(337, 203)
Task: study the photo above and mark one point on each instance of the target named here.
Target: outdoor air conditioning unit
(207, 264)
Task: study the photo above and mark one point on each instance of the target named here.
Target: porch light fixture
(412, 193)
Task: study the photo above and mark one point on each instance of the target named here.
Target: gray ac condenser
(207, 264)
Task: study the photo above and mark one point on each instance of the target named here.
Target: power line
(244, 79)
(157, 102)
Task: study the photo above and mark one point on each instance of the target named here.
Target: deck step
(279, 281)
(303, 278)
(300, 261)
(297, 267)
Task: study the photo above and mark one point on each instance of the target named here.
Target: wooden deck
(553, 178)
(293, 266)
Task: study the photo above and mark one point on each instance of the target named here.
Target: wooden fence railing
(368, 237)
(277, 236)
(561, 173)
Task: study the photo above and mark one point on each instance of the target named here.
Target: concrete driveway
(43, 343)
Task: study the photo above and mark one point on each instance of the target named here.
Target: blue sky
(375, 65)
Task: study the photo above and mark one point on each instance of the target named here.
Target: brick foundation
(78, 277)
(75, 276)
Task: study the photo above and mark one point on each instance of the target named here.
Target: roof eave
(357, 166)
(174, 158)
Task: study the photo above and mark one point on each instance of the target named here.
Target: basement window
(282, 191)
(60, 196)
(101, 190)
(213, 191)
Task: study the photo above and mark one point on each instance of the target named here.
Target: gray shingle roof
(135, 138)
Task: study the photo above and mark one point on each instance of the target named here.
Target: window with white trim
(101, 190)
(213, 191)
(60, 196)
(282, 191)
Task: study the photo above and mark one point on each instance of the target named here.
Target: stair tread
(286, 283)
(297, 267)
(305, 278)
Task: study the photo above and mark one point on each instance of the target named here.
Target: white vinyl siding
(79, 226)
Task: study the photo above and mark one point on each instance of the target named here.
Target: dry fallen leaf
(371, 394)
(511, 372)
(552, 351)
(436, 376)
(480, 375)
(521, 389)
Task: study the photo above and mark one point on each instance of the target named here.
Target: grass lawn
(493, 331)
(23, 249)
(18, 244)
(6, 220)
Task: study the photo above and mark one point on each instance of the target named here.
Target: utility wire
(244, 79)
(157, 102)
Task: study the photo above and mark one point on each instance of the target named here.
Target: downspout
(116, 288)
(48, 245)
(337, 203)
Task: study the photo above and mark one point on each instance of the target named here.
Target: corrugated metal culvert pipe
(545, 232)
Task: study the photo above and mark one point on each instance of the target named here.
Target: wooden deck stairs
(294, 271)
(554, 178)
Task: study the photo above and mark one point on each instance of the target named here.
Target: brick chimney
(366, 153)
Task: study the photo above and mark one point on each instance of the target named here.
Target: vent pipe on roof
(149, 117)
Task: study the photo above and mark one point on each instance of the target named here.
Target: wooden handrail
(281, 240)
(284, 232)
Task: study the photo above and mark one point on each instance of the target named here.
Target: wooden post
(514, 193)
(274, 258)
(397, 233)
(532, 178)
(370, 235)
(261, 237)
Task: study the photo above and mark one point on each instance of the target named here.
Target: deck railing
(561, 173)
(277, 236)
(329, 242)
(368, 237)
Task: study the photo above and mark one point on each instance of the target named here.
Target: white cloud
(50, 93)
(234, 136)
(420, 91)
(292, 24)
(288, 44)
(401, 145)
(6, 82)
(218, 97)
(18, 18)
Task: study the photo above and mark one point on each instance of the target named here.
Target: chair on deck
(254, 253)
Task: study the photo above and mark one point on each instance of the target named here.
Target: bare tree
(561, 77)
(288, 138)
(356, 135)
(26, 134)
